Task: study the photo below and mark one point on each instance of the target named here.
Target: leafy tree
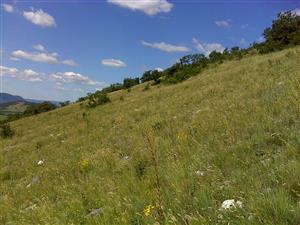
(113, 87)
(215, 56)
(129, 82)
(151, 75)
(39, 108)
(285, 31)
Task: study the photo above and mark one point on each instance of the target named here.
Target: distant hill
(7, 98)
(14, 104)
(35, 101)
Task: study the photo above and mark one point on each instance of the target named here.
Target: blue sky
(60, 50)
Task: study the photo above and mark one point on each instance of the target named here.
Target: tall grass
(230, 133)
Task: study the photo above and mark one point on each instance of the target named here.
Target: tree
(129, 82)
(151, 75)
(285, 31)
(216, 57)
(39, 108)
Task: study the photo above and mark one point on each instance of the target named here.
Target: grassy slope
(238, 123)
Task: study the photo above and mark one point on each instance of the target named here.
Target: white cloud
(40, 18)
(166, 47)
(36, 56)
(72, 77)
(223, 23)
(69, 62)
(150, 7)
(113, 63)
(8, 8)
(207, 48)
(159, 69)
(27, 75)
(14, 59)
(41, 55)
(297, 11)
(39, 47)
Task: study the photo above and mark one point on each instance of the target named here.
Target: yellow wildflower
(182, 136)
(147, 210)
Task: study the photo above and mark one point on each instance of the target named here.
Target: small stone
(41, 162)
(31, 207)
(228, 204)
(95, 212)
(231, 203)
(239, 204)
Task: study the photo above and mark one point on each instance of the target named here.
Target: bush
(39, 108)
(6, 131)
(98, 98)
(147, 87)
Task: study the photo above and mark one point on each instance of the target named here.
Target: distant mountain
(8, 98)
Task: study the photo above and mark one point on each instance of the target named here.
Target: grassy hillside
(230, 133)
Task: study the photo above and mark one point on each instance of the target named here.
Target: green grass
(238, 123)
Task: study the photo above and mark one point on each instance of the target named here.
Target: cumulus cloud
(8, 8)
(113, 63)
(69, 62)
(223, 23)
(297, 11)
(166, 47)
(36, 56)
(159, 69)
(41, 55)
(39, 47)
(72, 77)
(150, 7)
(207, 48)
(39, 18)
(27, 75)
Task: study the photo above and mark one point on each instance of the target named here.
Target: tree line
(283, 33)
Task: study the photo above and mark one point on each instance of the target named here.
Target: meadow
(170, 154)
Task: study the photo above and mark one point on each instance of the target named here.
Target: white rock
(231, 203)
(239, 204)
(41, 162)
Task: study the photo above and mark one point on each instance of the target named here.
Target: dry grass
(237, 124)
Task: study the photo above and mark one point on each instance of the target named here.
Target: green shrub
(39, 108)
(6, 131)
(98, 98)
(147, 87)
